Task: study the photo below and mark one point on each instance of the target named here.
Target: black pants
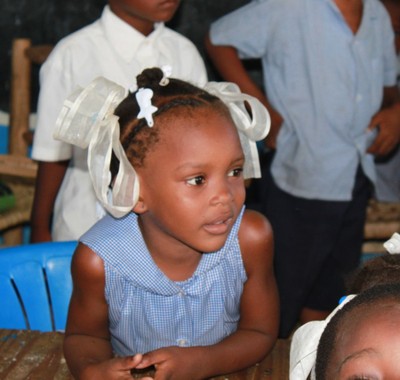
(316, 244)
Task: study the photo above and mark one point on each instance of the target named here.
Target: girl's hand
(112, 369)
(174, 363)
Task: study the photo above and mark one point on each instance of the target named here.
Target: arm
(388, 120)
(87, 346)
(48, 181)
(227, 62)
(257, 329)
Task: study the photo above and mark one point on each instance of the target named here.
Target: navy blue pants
(316, 244)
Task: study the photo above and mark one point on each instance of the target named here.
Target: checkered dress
(147, 310)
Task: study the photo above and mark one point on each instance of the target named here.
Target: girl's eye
(236, 172)
(196, 181)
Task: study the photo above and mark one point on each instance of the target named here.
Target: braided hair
(379, 270)
(136, 137)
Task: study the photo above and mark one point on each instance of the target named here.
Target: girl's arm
(48, 182)
(258, 326)
(87, 346)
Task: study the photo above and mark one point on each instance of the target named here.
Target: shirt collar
(121, 35)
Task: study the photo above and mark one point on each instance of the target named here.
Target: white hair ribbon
(393, 244)
(303, 348)
(82, 124)
(252, 125)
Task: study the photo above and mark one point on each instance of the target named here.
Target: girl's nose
(222, 193)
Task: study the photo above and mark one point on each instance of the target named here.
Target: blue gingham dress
(147, 310)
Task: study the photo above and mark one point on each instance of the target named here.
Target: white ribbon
(82, 124)
(304, 345)
(253, 124)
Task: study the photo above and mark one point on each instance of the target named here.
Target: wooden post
(20, 98)
(19, 115)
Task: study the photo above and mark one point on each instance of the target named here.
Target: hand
(174, 363)
(112, 369)
(388, 121)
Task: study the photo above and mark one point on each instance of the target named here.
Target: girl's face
(369, 347)
(142, 14)
(192, 186)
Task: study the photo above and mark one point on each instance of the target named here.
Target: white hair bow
(87, 120)
(303, 348)
(253, 124)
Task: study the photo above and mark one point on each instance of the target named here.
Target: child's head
(178, 99)
(379, 270)
(186, 147)
(362, 340)
(189, 162)
(142, 14)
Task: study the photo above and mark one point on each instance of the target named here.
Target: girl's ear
(140, 206)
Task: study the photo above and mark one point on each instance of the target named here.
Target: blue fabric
(147, 310)
(325, 81)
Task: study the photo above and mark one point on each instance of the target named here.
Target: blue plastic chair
(35, 286)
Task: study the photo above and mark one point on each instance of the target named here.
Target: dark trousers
(316, 244)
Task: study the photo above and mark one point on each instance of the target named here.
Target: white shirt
(111, 48)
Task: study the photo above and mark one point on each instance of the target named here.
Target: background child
(329, 79)
(186, 279)
(379, 270)
(382, 270)
(362, 340)
(129, 36)
(387, 188)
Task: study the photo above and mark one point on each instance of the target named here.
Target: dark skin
(202, 181)
(141, 15)
(48, 182)
(87, 344)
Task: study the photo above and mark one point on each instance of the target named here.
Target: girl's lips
(169, 3)
(218, 227)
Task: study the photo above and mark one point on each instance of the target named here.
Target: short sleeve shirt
(326, 82)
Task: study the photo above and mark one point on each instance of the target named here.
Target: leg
(346, 253)
(304, 238)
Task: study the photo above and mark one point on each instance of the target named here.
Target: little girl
(179, 276)
(362, 340)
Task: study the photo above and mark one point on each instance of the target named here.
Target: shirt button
(182, 342)
(359, 98)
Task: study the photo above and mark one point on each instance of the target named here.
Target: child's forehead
(197, 133)
(360, 316)
(196, 118)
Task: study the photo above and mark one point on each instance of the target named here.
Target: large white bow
(253, 124)
(87, 120)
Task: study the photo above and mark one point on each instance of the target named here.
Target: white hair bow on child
(87, 120)
(253, 124)
(303, 349)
